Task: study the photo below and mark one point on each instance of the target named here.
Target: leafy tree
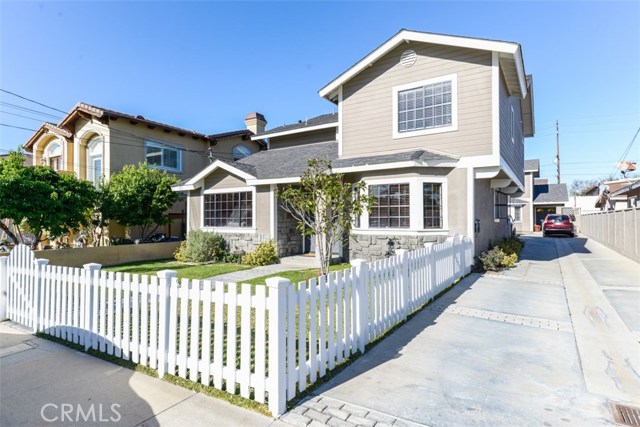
(139, 196)
(325, 206)
(579, 187)
(42, 200)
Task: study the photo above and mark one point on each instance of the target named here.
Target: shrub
(511, 245)
(492, 260)
(235, 257)
(202, 246)
(265, 254)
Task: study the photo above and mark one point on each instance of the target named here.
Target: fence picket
(190, 327)
(260, 344)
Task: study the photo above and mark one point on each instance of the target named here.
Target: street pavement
(548, 343)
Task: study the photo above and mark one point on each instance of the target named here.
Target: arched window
(54, 155)
(94, 159)
(240, 151)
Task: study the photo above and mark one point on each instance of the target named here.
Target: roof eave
(294, 131)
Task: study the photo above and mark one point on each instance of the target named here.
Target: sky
(205, 65)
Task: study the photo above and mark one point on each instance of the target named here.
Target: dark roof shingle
(550, 193)
(314, 121)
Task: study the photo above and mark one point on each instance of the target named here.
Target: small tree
(41, 200)
(325, 206)
(139, 196)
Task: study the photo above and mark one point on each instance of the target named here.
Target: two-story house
(433, 124)
(93, 143)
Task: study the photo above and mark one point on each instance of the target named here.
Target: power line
(30, 110)
(20, 115)
(17, 127)
(626, 152)
(31, 100)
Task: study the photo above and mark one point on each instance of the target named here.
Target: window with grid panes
(432, 205)
(228, 210)
(425, 107)
(391, 207)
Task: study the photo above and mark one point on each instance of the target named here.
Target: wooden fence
(618, 230)
(261, 342)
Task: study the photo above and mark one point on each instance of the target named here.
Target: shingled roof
(550, 193)
(324, 119)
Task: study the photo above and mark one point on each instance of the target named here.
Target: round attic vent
(408, 58)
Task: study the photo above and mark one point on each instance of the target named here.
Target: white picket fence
(265, 343)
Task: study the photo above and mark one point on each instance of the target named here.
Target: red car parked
(558, 224)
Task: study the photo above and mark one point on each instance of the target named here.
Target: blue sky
(205, 65)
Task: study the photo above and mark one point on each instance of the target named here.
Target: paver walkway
(525, 347)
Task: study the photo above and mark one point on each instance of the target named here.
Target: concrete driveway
(548, 343)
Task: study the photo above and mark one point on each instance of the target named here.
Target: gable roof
(323, 121)
(84, 110)
(550, 193)
(510, 58)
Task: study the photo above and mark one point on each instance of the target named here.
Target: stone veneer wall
(289, 238)
(241, 242)
(376, 247)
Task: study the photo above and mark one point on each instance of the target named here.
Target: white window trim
(231, 230)
(164, 145)
(454, 107)
(416, 210)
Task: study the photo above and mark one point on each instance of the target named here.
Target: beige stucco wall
(490, 230)
(109, 255)
(194, 210)
(457, 194)
(263, 210)
(367, 106)
(321, 135)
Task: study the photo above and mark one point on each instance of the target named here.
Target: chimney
(255, 122)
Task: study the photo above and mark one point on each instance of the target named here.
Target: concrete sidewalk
(525, 347)
(46, 384)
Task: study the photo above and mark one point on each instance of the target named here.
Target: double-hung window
(425, 107)
(94, 160)
(234, 210)
(392, 206)
(432, 205)
(163, 156)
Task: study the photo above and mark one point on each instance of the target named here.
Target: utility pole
(558, 150)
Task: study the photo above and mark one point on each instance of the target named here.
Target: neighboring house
(433, 124)
(28, 158)
(618, 194)
(539, 199)
(93, 143)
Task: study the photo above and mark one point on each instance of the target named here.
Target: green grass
(185, 270)
(295, 275)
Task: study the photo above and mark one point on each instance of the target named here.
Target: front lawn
(185, 270)
(296, 275)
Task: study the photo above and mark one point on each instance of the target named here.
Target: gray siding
(221, 179)
(321, 135)
(195, 210)
(367, 113)
(511, 146)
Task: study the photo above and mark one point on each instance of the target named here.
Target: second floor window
(54, 155)
(163, 156)
(425, 107)
(94, 160)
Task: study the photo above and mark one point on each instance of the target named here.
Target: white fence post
(361, 304)
(277, 304)
(4, 286)
(403, 256)
(164, 312)
(38, 289)
(89, 292)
